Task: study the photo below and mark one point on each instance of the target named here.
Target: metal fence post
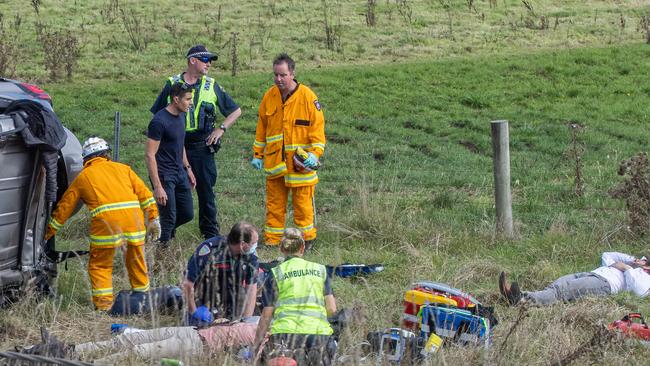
(501, 161)
(116, 136)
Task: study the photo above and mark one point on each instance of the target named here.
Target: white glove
(153, 230)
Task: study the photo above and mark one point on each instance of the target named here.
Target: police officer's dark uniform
(220, 277)
(200, 121)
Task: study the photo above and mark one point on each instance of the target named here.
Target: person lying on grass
(153, 344)
(618, 272)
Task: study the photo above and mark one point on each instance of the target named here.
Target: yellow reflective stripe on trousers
(274, 230)
(55, 224)
(114, 206)
(301, 178)
(259, 143)
(306, 228)
(278, 169)
(274, 138)
(146, 203)
(102, 291)
(117, 239)
(144, 288)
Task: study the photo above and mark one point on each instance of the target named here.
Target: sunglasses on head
(204, 59)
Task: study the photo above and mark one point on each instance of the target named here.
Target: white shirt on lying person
(638, 281)
(614, 276)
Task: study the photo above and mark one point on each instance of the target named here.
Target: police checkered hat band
(200, 51)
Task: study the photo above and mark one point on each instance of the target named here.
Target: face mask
(252, 249)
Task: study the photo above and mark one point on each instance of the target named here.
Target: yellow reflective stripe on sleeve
(102, 291)
(146, 203)
(301, 178)
(259, 143)
(137, 235)
(274, 230)
(318, 145)
(114, 206)
(274, 138)
(280, 168)
(55, 224)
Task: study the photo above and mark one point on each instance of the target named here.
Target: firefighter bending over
(116, 198)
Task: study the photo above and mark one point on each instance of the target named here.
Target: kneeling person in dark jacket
(221, 276)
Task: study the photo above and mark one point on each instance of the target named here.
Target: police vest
(219, 287)
(300, 307)
(201, 116)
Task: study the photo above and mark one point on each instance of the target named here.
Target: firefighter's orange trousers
(277, 197)
(100, 270)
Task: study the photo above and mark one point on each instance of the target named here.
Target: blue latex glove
(311, 161)
(201, 316)
(257, 163)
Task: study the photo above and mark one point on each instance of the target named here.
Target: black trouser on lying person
(305, 349)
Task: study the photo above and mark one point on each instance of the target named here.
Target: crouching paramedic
(116, 198)
(221, 276)
(290, 117)
(298, 298)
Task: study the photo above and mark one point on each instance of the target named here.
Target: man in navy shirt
(203, 134)
(222, 274)
(169, 169)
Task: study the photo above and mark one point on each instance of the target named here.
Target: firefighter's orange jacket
(116, 198)
(283, 127)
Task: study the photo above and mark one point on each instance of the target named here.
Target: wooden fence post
(117, 131)
(501, 161)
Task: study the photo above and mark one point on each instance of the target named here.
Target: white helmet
(94, 145)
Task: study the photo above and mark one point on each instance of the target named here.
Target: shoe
(51, 347)
(510, 292)
(515, 293)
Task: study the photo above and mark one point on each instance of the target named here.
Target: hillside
(407, 176)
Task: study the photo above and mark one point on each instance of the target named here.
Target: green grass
(268, 27)
(407, 180)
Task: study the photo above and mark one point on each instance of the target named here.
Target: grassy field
(126, 39)
(407, 176)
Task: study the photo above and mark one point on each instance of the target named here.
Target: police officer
(203, 133)
(298, 298)
(221, 275)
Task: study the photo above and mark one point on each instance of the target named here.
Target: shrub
(635, 190)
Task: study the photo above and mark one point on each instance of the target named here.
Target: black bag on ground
(166, 299)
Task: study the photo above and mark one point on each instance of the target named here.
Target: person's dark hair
(178, 90)
(283, 57)
(241, 231)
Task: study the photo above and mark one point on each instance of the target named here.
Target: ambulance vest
(206, 103)
(300, 307)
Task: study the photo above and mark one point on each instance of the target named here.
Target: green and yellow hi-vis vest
(300, 307)
(206, 95)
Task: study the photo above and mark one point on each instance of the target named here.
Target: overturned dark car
(39, 158)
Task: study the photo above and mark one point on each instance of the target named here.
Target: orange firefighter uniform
(281, 129)
(116, 198)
